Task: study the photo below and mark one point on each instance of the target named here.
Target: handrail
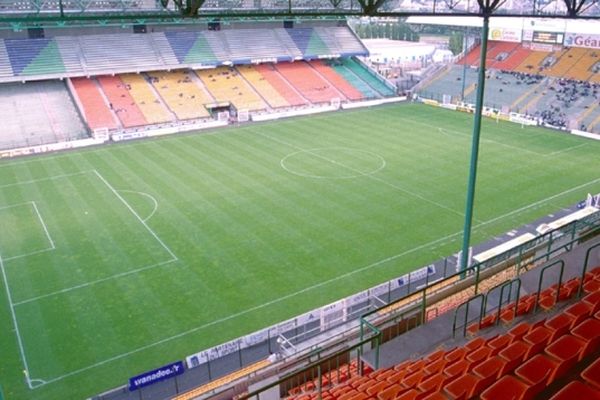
(585, 266)
(467, 303)
(542, 272)
(502, 286)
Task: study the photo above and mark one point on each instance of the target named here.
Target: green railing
(533, 252)
(585, 267)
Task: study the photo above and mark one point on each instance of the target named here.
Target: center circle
(332, 163)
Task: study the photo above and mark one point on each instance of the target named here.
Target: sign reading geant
(583, 40)
(156, 375)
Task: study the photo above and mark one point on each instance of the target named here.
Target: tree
(456, 42)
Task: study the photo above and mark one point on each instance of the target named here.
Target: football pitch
(118, 259)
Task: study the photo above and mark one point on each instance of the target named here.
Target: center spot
(333, 163)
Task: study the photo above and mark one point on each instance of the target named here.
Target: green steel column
(464, 71)
(475, 144)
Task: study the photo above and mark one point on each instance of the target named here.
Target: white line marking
(15, 323)
(442, 241)
(358, 172)
(466, 135)
(152, 198)
(565, 150)
(136, 215)
(382, 163)
(13, 206)
(35, 207)
(91, 283)
(52, 246)
(29, 254)
(49, 178)
(537, 203)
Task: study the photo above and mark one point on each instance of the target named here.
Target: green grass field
(122, 258)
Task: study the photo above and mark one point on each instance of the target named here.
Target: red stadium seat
(519, 330)
(492, 367)
(589, 332)
(499, 343)
(559, 325)
(466, 386)
(592, 374)
(539, 370)
(579, 311)
(576, 390)
(509, 387)
(457, 369)
(514, 354)
(538, 338)
(565, 350)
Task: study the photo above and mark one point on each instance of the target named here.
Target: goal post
(243, 116)
(336, 102)
(223, 116)
(100, 134)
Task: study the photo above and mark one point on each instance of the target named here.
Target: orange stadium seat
(97, 112)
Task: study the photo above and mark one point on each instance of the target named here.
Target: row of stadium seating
(519, 361)
(161, 96)
(571, 62)
(128, 52)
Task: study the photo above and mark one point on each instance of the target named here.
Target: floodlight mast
(486, 8)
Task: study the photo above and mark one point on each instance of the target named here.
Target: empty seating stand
(121, 102)
(95, 110)
(226, 85)
(262, 86)
(283, 87)
(310, 84)
(149, 104)
(181, 93)
(368, 77)
(337, 80)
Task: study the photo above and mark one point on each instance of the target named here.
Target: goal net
(223, 116)
(100, 133)
(243, 116)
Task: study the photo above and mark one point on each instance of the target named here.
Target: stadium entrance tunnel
(333, 163)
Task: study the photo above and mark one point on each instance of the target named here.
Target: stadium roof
(23, 13)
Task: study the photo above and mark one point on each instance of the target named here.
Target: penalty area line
(97, 281)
